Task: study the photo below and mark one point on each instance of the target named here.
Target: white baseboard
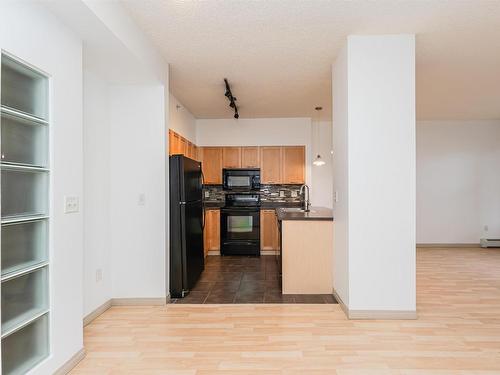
(374, 314)
(71, 363)
(124, 302)
(98, 311)
(139, 301)
(447, 245)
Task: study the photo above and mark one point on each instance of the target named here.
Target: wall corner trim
(71, 363)
(375, 314)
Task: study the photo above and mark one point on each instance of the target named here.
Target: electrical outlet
(207, 194)
(98, 275)
(282, 194)
(141, 201)
(71, 204)
(294, 193)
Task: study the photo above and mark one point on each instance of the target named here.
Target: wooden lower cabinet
(211, 233)
(269, 234)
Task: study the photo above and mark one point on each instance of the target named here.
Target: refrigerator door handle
(204, 220)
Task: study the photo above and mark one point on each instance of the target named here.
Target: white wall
(458, 181)
(181, 120)
(322, 176)
(257, 132)
(341, 176)
(97, 241)
(380, 161)
(31, 33)
(126, 122)
(137, 167)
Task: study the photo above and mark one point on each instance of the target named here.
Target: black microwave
(241, 179)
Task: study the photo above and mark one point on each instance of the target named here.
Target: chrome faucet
(307, 203)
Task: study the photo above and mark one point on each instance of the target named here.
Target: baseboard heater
(490, 242)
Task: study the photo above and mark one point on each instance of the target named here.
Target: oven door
(240, 231)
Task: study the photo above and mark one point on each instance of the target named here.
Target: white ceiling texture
(277, 54)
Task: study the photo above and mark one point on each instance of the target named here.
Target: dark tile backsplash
(269, 194)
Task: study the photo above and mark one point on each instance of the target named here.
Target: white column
(374, 176)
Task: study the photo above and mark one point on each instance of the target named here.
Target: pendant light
(318, 161)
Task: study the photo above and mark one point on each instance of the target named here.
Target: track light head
(232, 100)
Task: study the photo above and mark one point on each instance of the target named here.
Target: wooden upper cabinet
(178, 145)
(175, 144)
(250, 157)
(293, 164)
(231, 157)
(183, 146)
(196, 153)
(270, 165)
(212, 164)
(170, 142)
(190, 150)
(269, 235)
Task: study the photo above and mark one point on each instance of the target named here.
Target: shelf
(24, 142)
(22, 167)
(24, 90)
(22, 219)
(25, 347)
(24, 295)
(24, 320)
(21, 115)
(24, 162)
(29, 268)
(24, 191)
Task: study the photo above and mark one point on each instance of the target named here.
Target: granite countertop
(315, 213)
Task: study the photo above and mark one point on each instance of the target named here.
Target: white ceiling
(277, 54)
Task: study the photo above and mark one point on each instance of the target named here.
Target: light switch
(71, 204)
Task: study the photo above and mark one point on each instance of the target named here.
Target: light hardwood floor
(457, 332)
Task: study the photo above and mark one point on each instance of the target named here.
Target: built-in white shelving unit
(24, 169)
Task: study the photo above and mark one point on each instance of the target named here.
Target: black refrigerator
(186, 225)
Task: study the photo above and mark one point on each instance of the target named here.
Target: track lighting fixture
(231, 98)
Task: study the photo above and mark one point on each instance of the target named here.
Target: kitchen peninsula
(306, 250)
